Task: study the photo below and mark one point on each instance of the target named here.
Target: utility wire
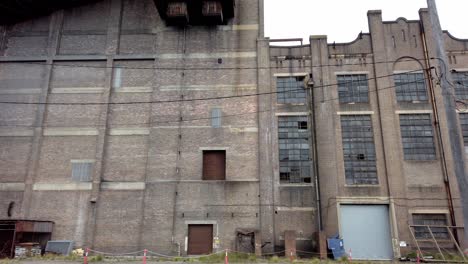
(203, 118)
(59, 64)
(193, 99)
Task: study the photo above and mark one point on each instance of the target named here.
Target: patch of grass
(96, 258)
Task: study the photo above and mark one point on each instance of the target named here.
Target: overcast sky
(342, 20)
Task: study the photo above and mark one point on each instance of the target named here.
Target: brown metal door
(200, 239)
(214, 165)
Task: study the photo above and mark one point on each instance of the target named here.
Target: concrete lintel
(429, 211)
(170, 56)
(71, 131)
(213, 148)
(208, 87)
(364, 200)
(139, 89)
(78, 90)
(351, 72)
(355, 113)
(123, 186)
(134, 57)
(82, 186)
(16, 132)
(21, 91)
(201, 222)
(400, 112)
(292, 114)
(408, 71)
(79, 58)
(24, 59)
(289, 74)
(206, 182)
(243, 130)
(295, 209)
(137, 131)
(12, 186)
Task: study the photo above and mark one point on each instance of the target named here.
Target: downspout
(438, 130)
(315, 159)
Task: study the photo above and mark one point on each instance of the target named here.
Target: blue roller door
(365, 230)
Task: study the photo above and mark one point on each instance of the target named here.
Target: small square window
(82, 171)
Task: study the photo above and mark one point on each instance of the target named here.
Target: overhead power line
(186, 100)
(202, 118)
(58, 63)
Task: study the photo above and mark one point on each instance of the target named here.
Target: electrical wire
(189, 100)
(57, 63)
(194, 119)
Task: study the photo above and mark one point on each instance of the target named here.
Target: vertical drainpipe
(438, 129)
(311, 106)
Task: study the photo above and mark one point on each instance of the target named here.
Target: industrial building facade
(177, 126)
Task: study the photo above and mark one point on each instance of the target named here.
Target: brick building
(178, 127)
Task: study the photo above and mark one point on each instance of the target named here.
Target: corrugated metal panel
(366, 231)
(34, 227)
(200, 239)
(214, 165)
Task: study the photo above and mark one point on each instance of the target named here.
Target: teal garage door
(365, 230)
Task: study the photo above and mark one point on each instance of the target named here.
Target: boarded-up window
(214, 165)
(433, 221)
(216, 117)
(200, 239)
(81, 171)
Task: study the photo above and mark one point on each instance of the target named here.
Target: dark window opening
(302, 125)
(214, 165)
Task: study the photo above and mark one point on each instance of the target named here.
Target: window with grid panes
(82, 171)
(290, 90)
(410, 87)
(293, 140)
(417, 137)
(464, 127)
(359, 150)
(353, 88)
(422, 232)
(460, 79)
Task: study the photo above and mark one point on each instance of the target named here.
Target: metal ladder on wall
(436, 243)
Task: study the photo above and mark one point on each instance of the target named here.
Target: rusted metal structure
(199, 12)
(13, 232)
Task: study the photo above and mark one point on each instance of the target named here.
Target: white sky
(342, 20)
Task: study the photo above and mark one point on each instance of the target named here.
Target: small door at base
(200, 239)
